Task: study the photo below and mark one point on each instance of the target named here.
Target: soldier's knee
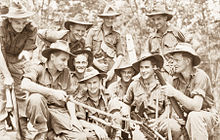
(36, 99)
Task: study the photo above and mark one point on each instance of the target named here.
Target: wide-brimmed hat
(186, 48)
(125, 63)
(90, 73)
(77, 19)
(160, 9)
(18, 11)
(145, 56)
(109, 12)
(81, 51)
(59, 45)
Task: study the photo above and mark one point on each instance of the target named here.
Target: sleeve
(89, 38)
(33, 73)
(30, 43)
(202, 84)
(119, 47)
(111, 90)
(129, 97)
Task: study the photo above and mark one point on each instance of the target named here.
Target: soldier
(126, 72)
(76, 29)
(78, 65)
(94, 96)
(17, 42)
(144, 93)
(165, 36)
(105, 43)
(192, 89)
(48, 84)
(118, 89)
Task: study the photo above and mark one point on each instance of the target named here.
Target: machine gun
(174, 104)
(12, 109)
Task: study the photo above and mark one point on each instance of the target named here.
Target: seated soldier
(118, 89)
(192, 89)
(48, 84)
(78, 65)
(94, 96)
(145, 93)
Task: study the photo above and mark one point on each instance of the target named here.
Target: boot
(24, 130)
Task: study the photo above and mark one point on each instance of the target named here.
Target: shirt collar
(110, 32)
(151, 86)
(180, 77)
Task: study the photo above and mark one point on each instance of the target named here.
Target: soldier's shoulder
(177, 33)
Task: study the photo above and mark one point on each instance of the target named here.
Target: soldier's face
(59, 60)
(159, 21)
(180, 62)
(127, 74)
(93, 85)
(108, 21)
(146, 69)
(18, 24)
(78, 31)
(81, 62)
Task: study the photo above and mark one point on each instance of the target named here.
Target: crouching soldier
(192, 89)
(145, 95)
(49, 84)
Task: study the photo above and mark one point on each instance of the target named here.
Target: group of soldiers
(94, 71)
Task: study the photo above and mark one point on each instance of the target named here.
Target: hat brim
(101, 75)
(196, 58)
(109, 15)
(90, 58)
(68, 23)
(46, 53)
(169, 15)
(18, 16)
(157, 57)
(118, 70)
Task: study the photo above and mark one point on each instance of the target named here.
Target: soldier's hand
(8, 81)
(169, 90)
(60, 95)
(100, 132)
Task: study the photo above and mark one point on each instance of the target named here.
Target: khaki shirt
(161, 44)
(138, 93)
(86, 99)
(117, 89)
(41, 75)
(199, 84)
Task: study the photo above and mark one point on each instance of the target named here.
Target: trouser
(57, 120)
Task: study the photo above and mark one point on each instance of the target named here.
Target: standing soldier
(17, 42)
(165, 36)
(192, 89)
(105, 43)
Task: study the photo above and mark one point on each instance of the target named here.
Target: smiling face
(77, 31)
(127, 74)
(81, 62)
(18, 24)
(159, 21)
(59, 60)
(108, 21)
(146, 69)
(93, 85)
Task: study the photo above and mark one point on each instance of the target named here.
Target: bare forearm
(71, 109)
(193, 104)
(117, 62)
(27, 84)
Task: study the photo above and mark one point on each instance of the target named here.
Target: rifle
(144, 126)
(174, 104)
(12, 109)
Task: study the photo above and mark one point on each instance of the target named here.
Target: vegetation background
(199, 20)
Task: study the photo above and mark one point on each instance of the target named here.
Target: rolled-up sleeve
(33, 73)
